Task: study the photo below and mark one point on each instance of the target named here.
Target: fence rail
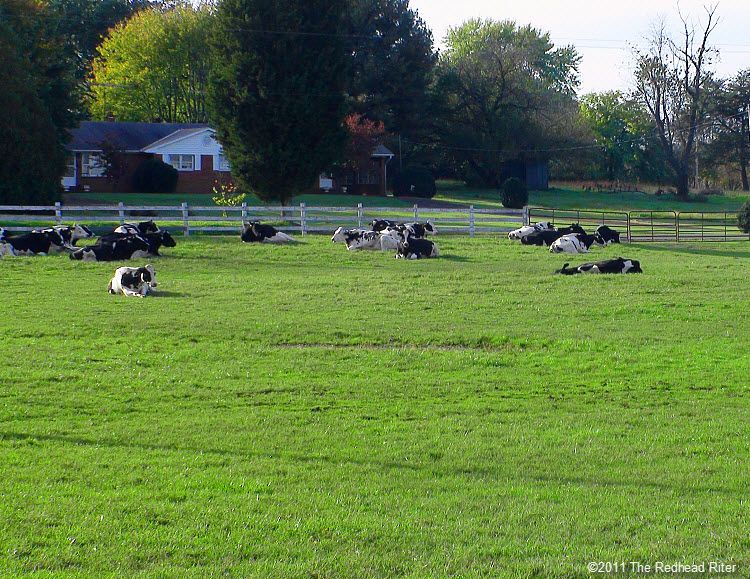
(302, 219)
(637, 226)
(650, 226)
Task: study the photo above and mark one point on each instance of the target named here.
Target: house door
(69, 180)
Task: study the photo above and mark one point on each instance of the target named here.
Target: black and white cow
(3, 233)
(157, 240)
(38, 243)
(548, 237)
(357, 238)
(416, 249)
(72, 233)
(382, 224)
(135, 229)
(127, 247)
(133, 281)
(619, 265)
(607, 235)
(521, 232)
(574, 243)
(256, 232)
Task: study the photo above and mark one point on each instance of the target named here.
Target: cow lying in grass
(154, 240)
(133, 281)
(256, 232)
(71, 233)
(619, 265)
(416, 249)
(521, 232)
(136, 229)
(37, 243)
(574, 243)
(121, 249)
(548, 237)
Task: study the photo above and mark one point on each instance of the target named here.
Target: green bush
(515, 195)
(154, 176)
(743, 217)
(414, 181)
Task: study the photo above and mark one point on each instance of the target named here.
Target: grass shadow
(454, 257)
(435, 469)
(167, 294)
(714, 250)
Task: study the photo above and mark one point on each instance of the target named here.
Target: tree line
(295, 88)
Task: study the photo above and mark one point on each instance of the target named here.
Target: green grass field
(307, 411)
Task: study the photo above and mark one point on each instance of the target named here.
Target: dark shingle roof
(126, 136)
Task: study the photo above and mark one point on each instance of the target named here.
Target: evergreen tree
(277, 93)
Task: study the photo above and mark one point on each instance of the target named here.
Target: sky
(603, 31)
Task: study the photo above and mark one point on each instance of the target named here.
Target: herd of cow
(145, 239)
(574, 239)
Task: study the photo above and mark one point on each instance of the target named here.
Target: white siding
(202, 143)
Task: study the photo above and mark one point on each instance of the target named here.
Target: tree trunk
(743, 172)
(683, 184)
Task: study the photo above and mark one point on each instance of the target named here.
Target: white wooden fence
(300, 218)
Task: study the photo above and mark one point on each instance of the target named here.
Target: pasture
(307, 411)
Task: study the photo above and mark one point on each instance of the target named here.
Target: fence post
(416, 212)
(185, 219)
(58, 213)
(526, 215)
(244, 211)
(302, 219)
(360, 215)
(121, 212)
(677, 225)
(471, 221)
(627, 224)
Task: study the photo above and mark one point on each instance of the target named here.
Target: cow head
(166, 239)
(147, 275)
(430, 228)
(80, 232)
(635, 266)
(381, 224)
(543, 226)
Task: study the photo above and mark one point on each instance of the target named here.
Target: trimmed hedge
(155, 176)
(743, 217)
(514, 195)
(414, 181)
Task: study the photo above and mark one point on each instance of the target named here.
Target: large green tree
(277, 91)
(729, 144)
(154, 67)
(85, 23)
(36, 106)
(509, 93)
(624, 137)
(673, 78)
(392, 64)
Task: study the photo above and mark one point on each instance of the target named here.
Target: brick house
(192, 149)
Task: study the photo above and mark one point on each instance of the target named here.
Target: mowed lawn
(308, 411)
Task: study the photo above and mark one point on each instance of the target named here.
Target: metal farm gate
(650, 226)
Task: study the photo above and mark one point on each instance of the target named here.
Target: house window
(70, 166)
(368, 178)
(182, 162)
(92, 165)
(223, 164)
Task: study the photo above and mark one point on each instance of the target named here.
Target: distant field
(454, 193)
(307, 411)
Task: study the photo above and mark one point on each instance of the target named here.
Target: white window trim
(178, 164)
